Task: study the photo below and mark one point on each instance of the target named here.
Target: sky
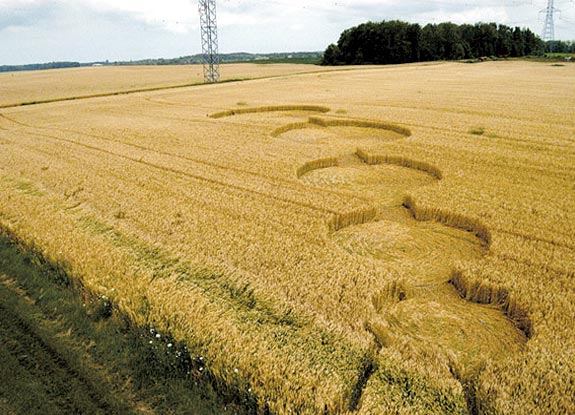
(35, 31)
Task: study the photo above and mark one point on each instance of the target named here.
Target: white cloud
(174, 15)
(469, 15)
(34, 30)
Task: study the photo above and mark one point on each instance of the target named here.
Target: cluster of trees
(306, 57)
(284, 57)
(400, 42)
(559, 46)
(39, 66)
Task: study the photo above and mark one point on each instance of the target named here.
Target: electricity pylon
(211, 59)
(549, 26)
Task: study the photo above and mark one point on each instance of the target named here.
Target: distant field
(389, 240)
(26, 87)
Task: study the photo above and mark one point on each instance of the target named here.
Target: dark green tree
(518, 48)
(331, 56)
(504, 46)
(395, 41)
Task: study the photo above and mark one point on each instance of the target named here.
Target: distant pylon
(209, 40)
(549, 26)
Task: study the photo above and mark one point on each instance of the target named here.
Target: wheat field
(29, 87)
(393, 240)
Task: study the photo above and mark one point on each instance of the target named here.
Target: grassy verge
(64, 351)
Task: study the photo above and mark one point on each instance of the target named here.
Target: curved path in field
(422, 306)
(425, 306)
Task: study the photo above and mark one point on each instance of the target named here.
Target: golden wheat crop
(39, 86)
(410, 249)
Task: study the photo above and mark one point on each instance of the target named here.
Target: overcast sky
(34, 31)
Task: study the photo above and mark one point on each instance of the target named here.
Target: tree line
(39, 66)
(391, 42)
(560, 46)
